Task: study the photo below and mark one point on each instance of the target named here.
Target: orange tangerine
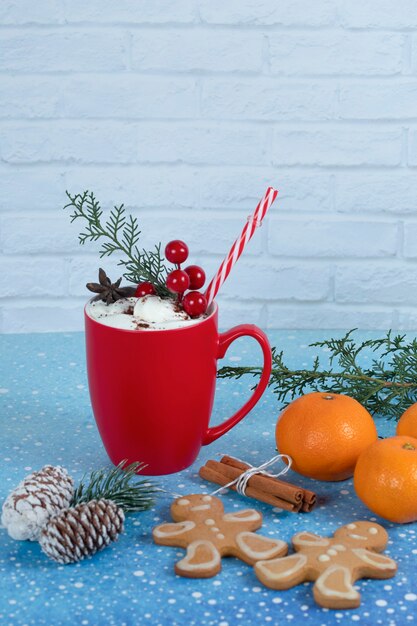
(385, 478)
(324, 434)
(407, 424)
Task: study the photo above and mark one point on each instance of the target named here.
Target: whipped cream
(146, 313)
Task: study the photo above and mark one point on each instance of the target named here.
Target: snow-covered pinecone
(82, 530)
(35, 500)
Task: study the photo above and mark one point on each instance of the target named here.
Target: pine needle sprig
(117, 485)
(120, 233)
(388, 386)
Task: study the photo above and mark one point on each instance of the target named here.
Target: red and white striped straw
(236, 250)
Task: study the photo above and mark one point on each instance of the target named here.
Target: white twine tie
(242, 480)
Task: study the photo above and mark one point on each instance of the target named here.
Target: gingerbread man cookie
(333, 563)
(207, 533)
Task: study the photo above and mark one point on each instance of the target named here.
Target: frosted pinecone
(40, 496)
(82, 530)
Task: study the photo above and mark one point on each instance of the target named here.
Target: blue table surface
(47, 419)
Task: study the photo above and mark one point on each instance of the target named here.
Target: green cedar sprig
(388, 386)
(117, 484)
(120, 233)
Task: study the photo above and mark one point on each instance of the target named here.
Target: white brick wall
(186, 111)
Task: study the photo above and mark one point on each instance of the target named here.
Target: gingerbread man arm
(202, 560)
(248, 519)
(282, 573)
(173, 534)
(305, 539)
(373, 565)
(251, 547)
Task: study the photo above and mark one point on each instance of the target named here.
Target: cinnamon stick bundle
(260, 486)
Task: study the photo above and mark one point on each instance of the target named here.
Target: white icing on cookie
(376, 560)
(323, 557)
(351, 526)
(200, 507)
(250, 516)
(358, 537)
(309, 539)
(339, 547)
(332, 552)
(183, 502)
(172, 530)
(294, 563)
(276, 546)
(220, 536)
(348, 593)
(209, 521)
(214, 529)
(373, 530)
(214, 561)
(206, 498)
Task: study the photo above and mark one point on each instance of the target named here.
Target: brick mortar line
(208, 73)
(261, 259)
(336, 120)
(219, 212)
(208, 167)
(253, 261)
(213, 74)
(169, 26)
(226, 300)
(318, 215)
(272, 164)
(302, 168)
(296, 125)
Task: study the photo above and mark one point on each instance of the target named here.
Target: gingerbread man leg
(334, 589)
(282, 573)
(202, 560)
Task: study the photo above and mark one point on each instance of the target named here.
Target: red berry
(144, 289)
(197, 276)
(177, 281)
(176, 251)
(194, 303)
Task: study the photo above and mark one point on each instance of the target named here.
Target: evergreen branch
(116, 221)
(387, 388)
(120, 234)
(116, 485)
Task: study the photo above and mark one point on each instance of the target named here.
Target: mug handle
(225, 339)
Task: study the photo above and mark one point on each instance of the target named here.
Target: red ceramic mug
(152, 391)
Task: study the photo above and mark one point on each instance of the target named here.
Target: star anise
(107, 291)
